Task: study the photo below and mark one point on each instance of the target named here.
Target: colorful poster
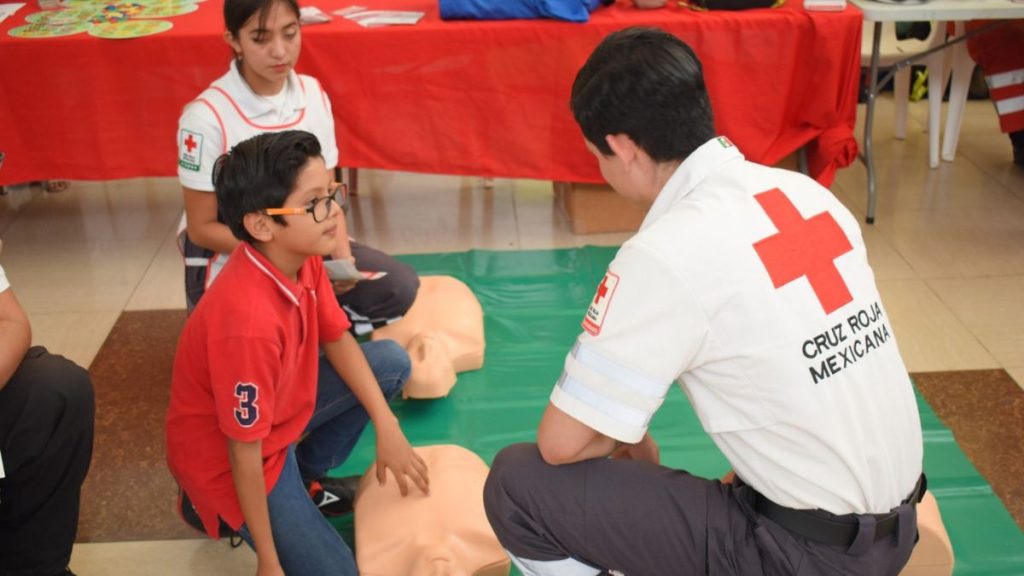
(165, 9)
(38, 30)
(129, 29)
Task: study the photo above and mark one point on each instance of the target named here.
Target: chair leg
(936, 80)
(963, 67)
(900, 96)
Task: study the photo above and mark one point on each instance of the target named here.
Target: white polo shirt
(750, 286)
(229, 112)
(4, 285)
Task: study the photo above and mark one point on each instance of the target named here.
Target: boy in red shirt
(249, 380)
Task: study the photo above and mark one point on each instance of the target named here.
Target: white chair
(963, 68)
(892, 51)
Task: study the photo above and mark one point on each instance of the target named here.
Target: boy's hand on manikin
(396, 454)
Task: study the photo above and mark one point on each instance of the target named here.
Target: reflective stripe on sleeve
(1010, 105)
(607, 396)
(1004, 79)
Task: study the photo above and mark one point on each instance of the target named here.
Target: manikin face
(304, 236)
(443, 534)
(268, 53)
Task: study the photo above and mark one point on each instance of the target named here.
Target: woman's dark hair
(238, 12)
(260, 173)
(647, 84)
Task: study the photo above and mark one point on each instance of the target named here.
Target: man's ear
(622, 146)
(258, 226)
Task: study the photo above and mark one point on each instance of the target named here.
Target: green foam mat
(533, 303)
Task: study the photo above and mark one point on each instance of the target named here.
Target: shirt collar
(704, 161)
(288, 288)
(252, 104)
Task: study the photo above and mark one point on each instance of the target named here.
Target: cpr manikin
(443, 332)
(443, 534)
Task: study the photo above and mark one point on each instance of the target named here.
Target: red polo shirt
(246, 369)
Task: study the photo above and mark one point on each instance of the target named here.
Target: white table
(939, 12)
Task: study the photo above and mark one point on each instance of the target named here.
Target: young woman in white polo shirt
(261, 92)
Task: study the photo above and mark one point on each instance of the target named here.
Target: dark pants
(372, 303)
(646, 520)
(46, 429)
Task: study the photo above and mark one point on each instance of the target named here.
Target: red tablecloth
(480, 98)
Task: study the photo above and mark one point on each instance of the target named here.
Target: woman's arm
(203, 228)
(247, 471)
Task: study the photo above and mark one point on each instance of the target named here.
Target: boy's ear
(622, 146)
(258, 226)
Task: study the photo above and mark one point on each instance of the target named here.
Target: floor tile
(992, 309)
(75, 335)
(164, 558)
(162, 286)
(930, 336)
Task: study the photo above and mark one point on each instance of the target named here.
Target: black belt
(820, 526)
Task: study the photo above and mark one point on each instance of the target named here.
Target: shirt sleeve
(200, 143)
(244, 381)
(641, 331)
(329, 142)
(4, 283)
(331, 319)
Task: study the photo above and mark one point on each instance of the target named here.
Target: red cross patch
(190, 149)
(804, 248)
(594, 318)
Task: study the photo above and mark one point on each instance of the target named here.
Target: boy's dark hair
(260, 173)
(647, 84)
(238, 12)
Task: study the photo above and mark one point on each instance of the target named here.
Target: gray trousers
(641, 519)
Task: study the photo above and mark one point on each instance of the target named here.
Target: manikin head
(443, 534)
(443, 332)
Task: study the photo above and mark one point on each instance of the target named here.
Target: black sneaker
(334, 496)
(188, 513)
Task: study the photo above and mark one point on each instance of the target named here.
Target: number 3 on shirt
(247, 413)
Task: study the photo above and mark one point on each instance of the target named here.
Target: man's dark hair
(647, 84)
(238, 12)
(260, 173)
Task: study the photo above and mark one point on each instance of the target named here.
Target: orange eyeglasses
(319, 207)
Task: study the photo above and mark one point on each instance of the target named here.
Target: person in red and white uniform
(261, 92)
(750, 287)
(1000, 54)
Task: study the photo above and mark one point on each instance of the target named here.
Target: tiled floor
(947, 248)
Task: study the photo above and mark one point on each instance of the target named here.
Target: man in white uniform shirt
(46, 430)
(750, 287)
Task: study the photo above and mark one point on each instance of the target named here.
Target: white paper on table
(313, 15)
(385, 18)
(5, 11)
(825, 5)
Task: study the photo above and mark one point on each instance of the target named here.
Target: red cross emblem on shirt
(190, 143)
(804, 248)
(601, 290)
